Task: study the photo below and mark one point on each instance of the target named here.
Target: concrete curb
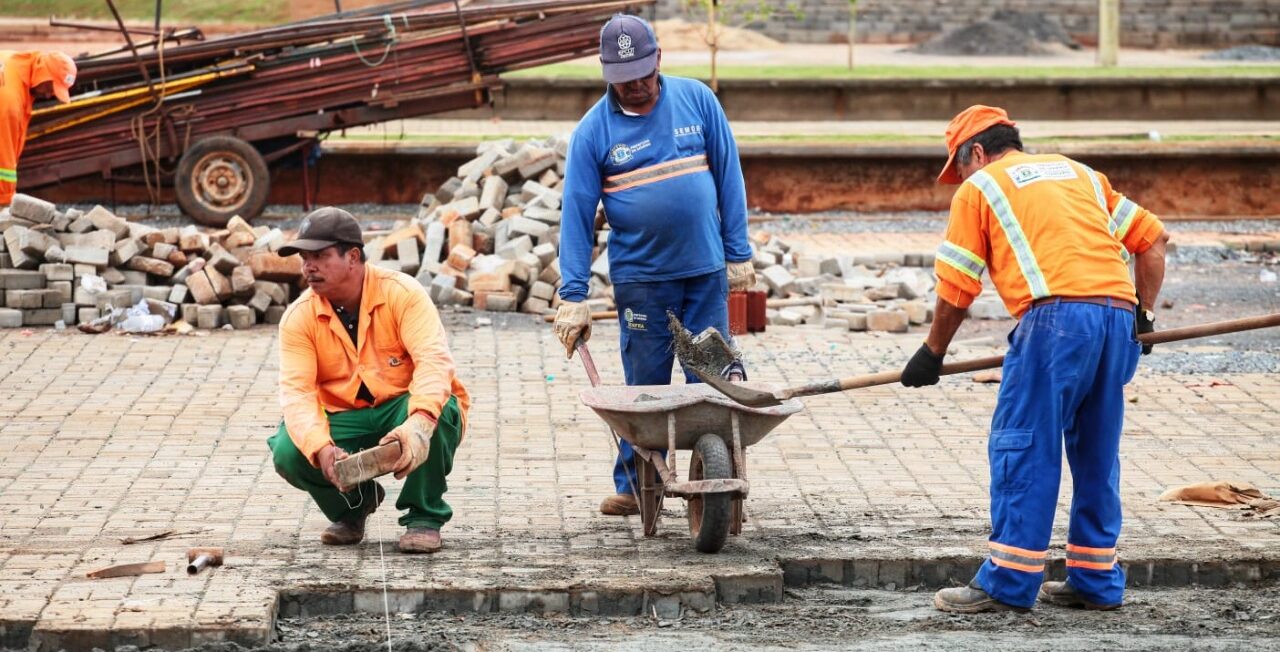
(662, 601)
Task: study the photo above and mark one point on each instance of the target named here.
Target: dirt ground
(828, 618)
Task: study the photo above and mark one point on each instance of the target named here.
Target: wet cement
(827, 618)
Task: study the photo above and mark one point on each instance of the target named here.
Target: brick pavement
(103, 437)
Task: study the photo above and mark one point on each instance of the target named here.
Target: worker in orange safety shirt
(364, 361)
(1055, 239)
(24, 78)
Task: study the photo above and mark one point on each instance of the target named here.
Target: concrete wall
(1144, 23)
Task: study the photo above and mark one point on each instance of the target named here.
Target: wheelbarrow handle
(587, 363)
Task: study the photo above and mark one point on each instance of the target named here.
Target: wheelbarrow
(695, 418)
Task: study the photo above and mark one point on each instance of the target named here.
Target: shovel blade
(740, 394)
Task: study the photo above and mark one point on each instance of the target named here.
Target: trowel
(759, 398)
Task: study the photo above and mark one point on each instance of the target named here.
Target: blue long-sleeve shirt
(671, 184)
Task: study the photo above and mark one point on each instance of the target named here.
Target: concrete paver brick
(32, 208)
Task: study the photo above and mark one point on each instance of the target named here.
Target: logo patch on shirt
(1028, 173)
(625, 50)
(394, 361)
(635, 320)
(622, 152)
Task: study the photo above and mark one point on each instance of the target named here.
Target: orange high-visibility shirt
(402, 348)
(15, 115)
(1041, 225)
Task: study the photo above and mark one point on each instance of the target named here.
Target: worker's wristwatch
(1149, 315)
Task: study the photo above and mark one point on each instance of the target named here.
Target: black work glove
(923, 368)
(1144, 322)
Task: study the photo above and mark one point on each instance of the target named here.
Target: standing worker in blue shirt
(658, 151)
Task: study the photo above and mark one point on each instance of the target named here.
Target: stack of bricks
(70, 267)
(886, 291)
(490, 236)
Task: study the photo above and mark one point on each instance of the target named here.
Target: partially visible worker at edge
(24, 78)
(657, 150)
(364, 361)
(1055, 238)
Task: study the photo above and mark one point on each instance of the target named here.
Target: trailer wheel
(220, 177)
(709, 513)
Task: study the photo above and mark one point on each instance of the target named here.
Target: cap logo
(304, 226)
(69, 80)
(625, 49)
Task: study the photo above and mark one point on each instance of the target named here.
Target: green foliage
(189, 12)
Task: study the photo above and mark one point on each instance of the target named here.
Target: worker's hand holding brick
(742, 276)
(573, 321)
(414, 436)
(328, 457)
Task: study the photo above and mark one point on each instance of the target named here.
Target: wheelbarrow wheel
(221, 177)
(710, 514)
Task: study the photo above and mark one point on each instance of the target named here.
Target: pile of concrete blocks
(888, 292)
(68, 267)
(490, 236)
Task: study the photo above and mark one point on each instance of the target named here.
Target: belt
(1110, 302)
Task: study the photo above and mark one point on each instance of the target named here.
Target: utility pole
(713, 40)
(1108, 32)
(853, 28)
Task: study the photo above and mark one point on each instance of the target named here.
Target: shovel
(759, 398)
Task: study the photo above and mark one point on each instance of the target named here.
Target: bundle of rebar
(398, 60)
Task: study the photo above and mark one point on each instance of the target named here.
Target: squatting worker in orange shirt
(363, 361)
(24, 78)
(1055, 239)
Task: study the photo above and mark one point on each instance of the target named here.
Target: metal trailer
(209, 117)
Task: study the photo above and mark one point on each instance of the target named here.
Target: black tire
(220, 177)
(710, 514)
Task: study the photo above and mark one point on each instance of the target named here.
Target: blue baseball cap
(628, 49)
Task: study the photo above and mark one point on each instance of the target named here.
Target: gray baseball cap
(324, 227)
(628, 49)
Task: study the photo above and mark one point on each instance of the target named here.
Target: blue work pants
(1063, 382)
(648, 352)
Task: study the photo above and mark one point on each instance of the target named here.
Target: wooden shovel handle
(991, 362)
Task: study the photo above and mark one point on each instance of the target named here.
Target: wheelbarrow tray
(641, 414)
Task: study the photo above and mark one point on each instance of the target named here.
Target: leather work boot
(349, 532)
(620, 505)
(970, 600)
(1064, 595)
(420, 539)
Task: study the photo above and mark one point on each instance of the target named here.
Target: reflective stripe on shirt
(965, 261)
(1012, 233)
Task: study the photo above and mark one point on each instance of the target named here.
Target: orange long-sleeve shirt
(15, 115)
(1041, 225)
(401, 348)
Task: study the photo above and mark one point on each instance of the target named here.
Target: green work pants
(356, 430)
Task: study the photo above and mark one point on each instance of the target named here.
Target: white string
(377, 533)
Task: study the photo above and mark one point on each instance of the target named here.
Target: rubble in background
(488, 238)
(97, 270)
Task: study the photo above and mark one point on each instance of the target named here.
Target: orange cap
(58, 68)
(967, 124)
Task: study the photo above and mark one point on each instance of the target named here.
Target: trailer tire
(220, 177)
(710, 514)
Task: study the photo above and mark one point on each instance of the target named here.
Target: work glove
(1144, 322)
(414, 436)
(742, 276)
(573, 321)
(924, 368)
